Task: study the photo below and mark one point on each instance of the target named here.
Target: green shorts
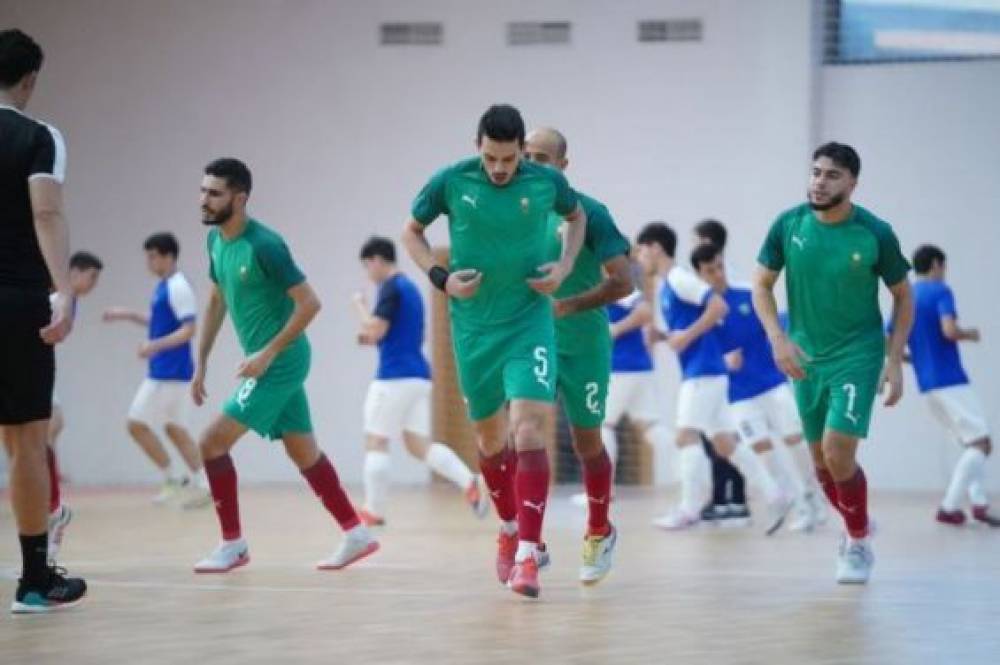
(838, 396)
(274, 404)
(516, 361)
(583, 384)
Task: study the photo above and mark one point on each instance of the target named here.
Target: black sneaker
(714, 513)
(737, 516)
(58, 593)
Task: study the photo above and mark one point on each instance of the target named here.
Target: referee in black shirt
(34, 249)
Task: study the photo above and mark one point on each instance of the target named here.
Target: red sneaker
(952, 517)
(506, 549)
(982, 514)
(370, 519)
(524, 578)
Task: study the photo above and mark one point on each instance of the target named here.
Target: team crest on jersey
(243, 273)
(745, 308)
(525, 205)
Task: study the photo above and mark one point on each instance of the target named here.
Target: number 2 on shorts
(591, 390)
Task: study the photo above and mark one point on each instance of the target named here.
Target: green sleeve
(603, 237)
(277, 263)
(892, 266)
(772, 252)
(431, 202)
(211, 264)
(566, 198)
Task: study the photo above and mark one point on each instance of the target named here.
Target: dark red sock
(498, 472)
(532, 483)
(853, 495)
(829, 486)
(223, 483)
(597, 480)
(322, 477)
(55, 499)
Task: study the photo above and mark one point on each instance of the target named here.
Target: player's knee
(528, 433)
(587, 443)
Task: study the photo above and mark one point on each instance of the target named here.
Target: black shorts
(27, 364)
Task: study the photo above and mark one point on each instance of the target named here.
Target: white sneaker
(191, 496)
(58, 521)
(777, 511)
(227, 556)
(803, 517)
(579, 499)
(677, 520)
(357, 544)
(597, 555)
(820, 508)
(855, 562)
(168, 491)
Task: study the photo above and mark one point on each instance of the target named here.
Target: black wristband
(438, 277)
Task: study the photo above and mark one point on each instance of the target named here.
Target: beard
(218, 218)
(834, 201)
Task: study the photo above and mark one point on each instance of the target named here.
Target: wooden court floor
(430, 595)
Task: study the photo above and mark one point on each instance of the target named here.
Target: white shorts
(158, 403)
(631, 393)
(959, 411)
(703, 405)
(394, 406)
(767, 414)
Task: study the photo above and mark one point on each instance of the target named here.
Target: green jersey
(254, 272)
(501, 231)
(603, 241)
(831, 276)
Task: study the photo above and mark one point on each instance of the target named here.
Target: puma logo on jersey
(799, 242)
(525, 205)
(468, 199)
(856, 256)
(539, 507)
(243, 273)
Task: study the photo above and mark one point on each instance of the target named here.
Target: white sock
(610, 439)
(376, 475)
(692, 465)
(803, 459)
(442, 460)
(752, 466)
(968, 468)
(782, 469)
(509, 528)
(525, 549)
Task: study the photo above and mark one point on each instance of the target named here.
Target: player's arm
(715, 310)
(617, 284)
(182, 335)
(215, 314)
(951, 330)
(112, 314)
(306, 306)
(787, 355)
(641, 315)
(460, 284)
(902, 322)
(53, 241)
(555, 272)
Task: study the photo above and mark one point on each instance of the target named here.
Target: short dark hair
(164, 244)
(705, 253)
(503, 123)
(19, 55)
(712, 230)
(85, 261)
(924, 258)
(378, 246)
(233, 171)
(660, 234)
(840, 154)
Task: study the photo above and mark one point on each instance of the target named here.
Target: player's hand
(147, 350)
(679, 341)
(463, 284)
(358, 298)
(254, 366)
(115, 314)
(365, 339)
(890, 383)
(559, 308)
(198, 392)
(789, 357)
(62, 320)
(554, 274)
(651, 335)
(974, 335)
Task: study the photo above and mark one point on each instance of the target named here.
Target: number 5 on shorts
(542, 366)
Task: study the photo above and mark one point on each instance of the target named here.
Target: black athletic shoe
(737, 516)
(58, 593)
(714, 513)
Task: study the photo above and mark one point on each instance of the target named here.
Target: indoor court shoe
(854, 565)
(168, 492)
(982, 514)
(714, 513)
(598, 552)
(227, 556)
(370, 519)
(777, 512)
(737, 516)
(803, 517)
(506, 549)
(821, 509)
(524, 578)
(952, 517)
(357, 544)
(58, 521)
(542, 556)
(58, 593)
(677, 520)
(477, 498)
(192, 497)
